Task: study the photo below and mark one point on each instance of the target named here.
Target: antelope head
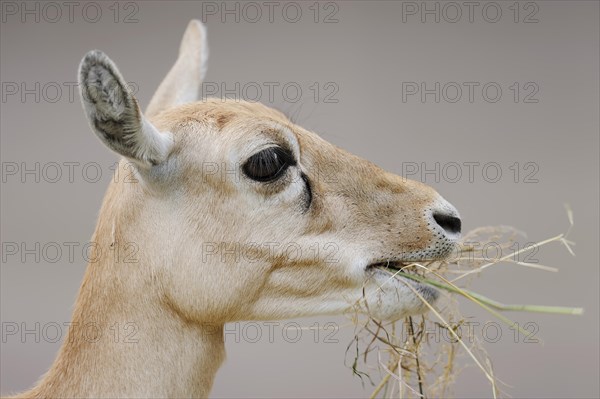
(241, 214)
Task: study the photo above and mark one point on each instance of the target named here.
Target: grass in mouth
(408, 363)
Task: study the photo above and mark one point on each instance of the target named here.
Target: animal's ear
(114, 114)
(183, 82)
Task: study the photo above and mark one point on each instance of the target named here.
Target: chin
(395, 298)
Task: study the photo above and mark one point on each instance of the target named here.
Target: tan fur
(178, 298)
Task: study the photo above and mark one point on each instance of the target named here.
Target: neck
(131, 349)
(127, 339)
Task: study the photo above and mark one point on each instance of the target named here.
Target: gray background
(367, 54)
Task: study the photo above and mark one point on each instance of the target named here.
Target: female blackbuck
(235, 214)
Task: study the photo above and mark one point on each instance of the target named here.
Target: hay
(409, 363)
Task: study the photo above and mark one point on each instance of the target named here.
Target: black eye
(269, 164)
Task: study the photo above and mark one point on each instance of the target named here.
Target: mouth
(392, 269)
(394, 266)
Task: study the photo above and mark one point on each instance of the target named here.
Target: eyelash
(263, 159)
(269, 164)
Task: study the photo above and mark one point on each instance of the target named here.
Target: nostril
(449, 223)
